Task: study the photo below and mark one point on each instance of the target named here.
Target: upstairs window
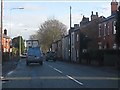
(99, 30)
(104, 29)
(77, 37)
(69, 41)
(108, 30)
(114, 27)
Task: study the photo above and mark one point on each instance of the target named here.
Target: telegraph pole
(70, 16)
(70, 36)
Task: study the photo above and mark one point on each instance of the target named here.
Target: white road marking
(74, 80)
(10, 72)
(58, 70)
(1, 77)
(50, 66)
(55, 69)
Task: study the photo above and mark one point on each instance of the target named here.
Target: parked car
(24, 55)
(34, 55)
(50, 56)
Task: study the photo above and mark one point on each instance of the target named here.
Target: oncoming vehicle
(50, 56)
(34, 55)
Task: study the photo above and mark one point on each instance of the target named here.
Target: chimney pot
(5, 32)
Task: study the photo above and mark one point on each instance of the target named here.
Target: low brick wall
(101, 57)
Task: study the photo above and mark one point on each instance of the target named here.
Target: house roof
(5, 36)
(109, 17)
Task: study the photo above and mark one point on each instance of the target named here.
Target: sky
(26, 22)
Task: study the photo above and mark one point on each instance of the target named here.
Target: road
(60, 75)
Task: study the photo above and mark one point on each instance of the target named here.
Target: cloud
(24, 24)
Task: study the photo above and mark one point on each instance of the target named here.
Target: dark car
(50, 56)
(34, 55)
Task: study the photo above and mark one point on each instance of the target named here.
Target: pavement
(8, 66)
(0, 76)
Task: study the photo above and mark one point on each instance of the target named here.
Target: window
(99, 30)
(77, 37)
(114, 28)
(69, 41)
(77, 54)
(4, 50)
(114, 46)
(105, 46)
(104, 29)
(108, 30)
(100, 45)
(72, 39)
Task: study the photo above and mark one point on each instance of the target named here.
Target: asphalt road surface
(60, 75)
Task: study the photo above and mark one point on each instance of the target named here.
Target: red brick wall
(107, 39)
(114, 7)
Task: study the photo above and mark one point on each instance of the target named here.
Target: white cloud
(24, 24)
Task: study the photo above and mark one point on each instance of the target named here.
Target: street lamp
(11, 15)
(21, 8)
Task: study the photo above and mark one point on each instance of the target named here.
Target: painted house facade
(6, 42)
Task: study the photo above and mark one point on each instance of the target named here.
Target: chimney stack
(114, 6)
(5, 32)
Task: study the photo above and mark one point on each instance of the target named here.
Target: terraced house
(107, 30)
(6, 41)
(95, 33)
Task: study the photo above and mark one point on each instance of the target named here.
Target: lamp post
(11, 15)
(1, 32)
(21, 8)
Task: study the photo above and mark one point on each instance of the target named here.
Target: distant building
(0, 42)
(77, 44)
(6, 42)
(84, 21)
(74, 42)
(107, 30)
(93, 17)
(54, 47)
(65, 47)
(57, 47)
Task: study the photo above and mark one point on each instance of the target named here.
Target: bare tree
(49, 32)
(32, 37)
